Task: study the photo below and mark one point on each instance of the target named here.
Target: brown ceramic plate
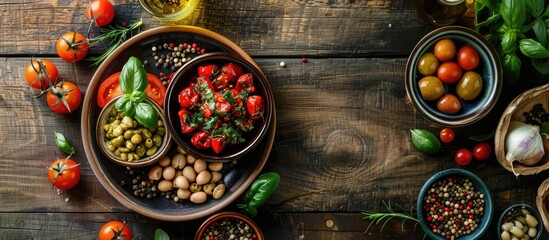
(237, 178)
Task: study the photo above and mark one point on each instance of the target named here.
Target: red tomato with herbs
(114, 230)
(201, 140)
(72, 47)
(221, 81)
(232, 70)
(482, 151)
(101, 11)
(245, 82)
(463, 157)
(208, 70)
(449, 72)
(447, 135)
(188, 97)
(218, 144)
(185, 119)
(41, 78)
(255, 106)
(445, 50)
(110, 89)
(64, 98)
(64, 173)
(468, 58)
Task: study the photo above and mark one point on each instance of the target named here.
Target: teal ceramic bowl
(489, 69)
(479, 186)
(534, 212)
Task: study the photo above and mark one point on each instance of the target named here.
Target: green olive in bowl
(469, 86)
(428, 64)
(431, 88)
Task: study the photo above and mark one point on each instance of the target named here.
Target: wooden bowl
(514, 112)
(230, 215)
(543, 192)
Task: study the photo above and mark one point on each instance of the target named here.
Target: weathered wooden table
(342, 140)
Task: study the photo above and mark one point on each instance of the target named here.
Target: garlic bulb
(523, 144)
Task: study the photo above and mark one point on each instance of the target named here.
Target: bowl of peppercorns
(229, 225)
(455, 204)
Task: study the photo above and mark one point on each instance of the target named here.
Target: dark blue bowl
(479, 186)
(534, 213)
(489, 69)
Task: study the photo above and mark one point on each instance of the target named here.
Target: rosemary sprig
(377, 217)
(117, 35)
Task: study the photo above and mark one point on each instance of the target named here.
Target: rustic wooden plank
(263, 28)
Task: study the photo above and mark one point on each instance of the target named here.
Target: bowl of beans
(229, 225)
(219, 107)
(453, 76)
(519, 221)
(126, 142)
(455, 204)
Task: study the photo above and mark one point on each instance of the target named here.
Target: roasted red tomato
(188, 97)
(221, 81)
(101, 11)
(110, 89)
(185, 118)
(218, 144)
(72, 47)
(245, 82)
(115, 230)
(36, 76)
(64, 173)
(201, 140)
(255, 106)
(208, 70)
(233, 70)
(64, 98)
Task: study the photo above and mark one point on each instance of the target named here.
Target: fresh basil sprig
(133, 81)
(259, 192)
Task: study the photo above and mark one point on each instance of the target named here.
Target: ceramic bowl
(182, 79)
(479, 186)
(514, 112)
(489, 69)
(533, 212)
(219, 217)
(146, 160)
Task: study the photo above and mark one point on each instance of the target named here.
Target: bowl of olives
(453, 76)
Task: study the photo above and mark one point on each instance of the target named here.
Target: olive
(469, 86)
(431, 88)
(136, 139)
(149, 143)
(157, 140)
(427, 64)
(140, 150)
(151, 151)
(128, 134)
(194, 187)
(449, 104)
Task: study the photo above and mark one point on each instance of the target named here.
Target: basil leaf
(542, 65)
(133, 76)
(491, 19)
(260, 190)
(146, 115)
(138, 96)
(511, 67)
(483, 137)
(425, 141)
(540, 31)
(121, 103)
(535, 7)
(513, 13)
(533, 49)
(546, 13)
(509, 41)
(62, 143)
(160, 234)
(488, 3)
(129, 108)
(544, 128)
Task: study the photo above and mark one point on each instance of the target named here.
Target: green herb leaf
(259, 192)
(540, 31)
(494, 18)
(133, 76)
(146, 115)
(544, 128)
(425, 141)
(121, 103)
(489, 4)
(533, 49)
(513, 13)
(535, 7)
(546, 13)
(509, 41)
(511, 67)
(542, 65)
(160, 234)
(63, 144)
(129, 108)
(483, 137)
(138, 96)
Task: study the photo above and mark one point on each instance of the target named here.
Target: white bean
(165, 185)
(191, 159)
(168, 173)
(179, 161)
(216, 176)
(181, 182)
(218, 191)
(155, 173)
(198, 197)
(164, 162)
(183, 193)
(215, 166)
(189, 173)
(199, 166)
(181, 150)
(203, 177)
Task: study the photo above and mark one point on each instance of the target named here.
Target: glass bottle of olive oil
(440, 12)
(170, 10)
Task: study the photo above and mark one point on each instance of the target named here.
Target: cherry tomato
(233, 70)
(64, 173)
(64, 98)
(245, 82)
(222, 106)
(255, 106)
(445, 50)
(221, 81)
(185, 119)
(110, 89)
(72, 47)
(101, 11)
(188, 97)
(36, 76)
(449, 104)
(115, 230)
(463, 157)
(482, 151)
(447, 135)
(201, 140)
(206, 111)
(218, 144)
(449, 72)
(245, 125)
(467, 58)
(208, 70)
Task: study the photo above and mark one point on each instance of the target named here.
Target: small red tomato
(233, 70)
(463, 157)
(449, 104)
(208, 70)
(221, 81)
(449, 72)
(222, 106)
(41, 78)
(218, 144)
(482, 151)
(255, 106)
(188, 97)
(72, 47)
(101, 11)
(445, 50)
(64, 98)
(447, 135)
(185, 119)
(245, 82)
(114, 230)
(64, 173)
(201, 140)
(467, 58)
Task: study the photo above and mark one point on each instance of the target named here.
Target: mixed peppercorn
(453, 207)
(537, 116)
(170, 57)
(229, 228)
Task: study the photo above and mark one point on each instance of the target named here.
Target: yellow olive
(431, 88)
(427, 64)
(469, 86)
